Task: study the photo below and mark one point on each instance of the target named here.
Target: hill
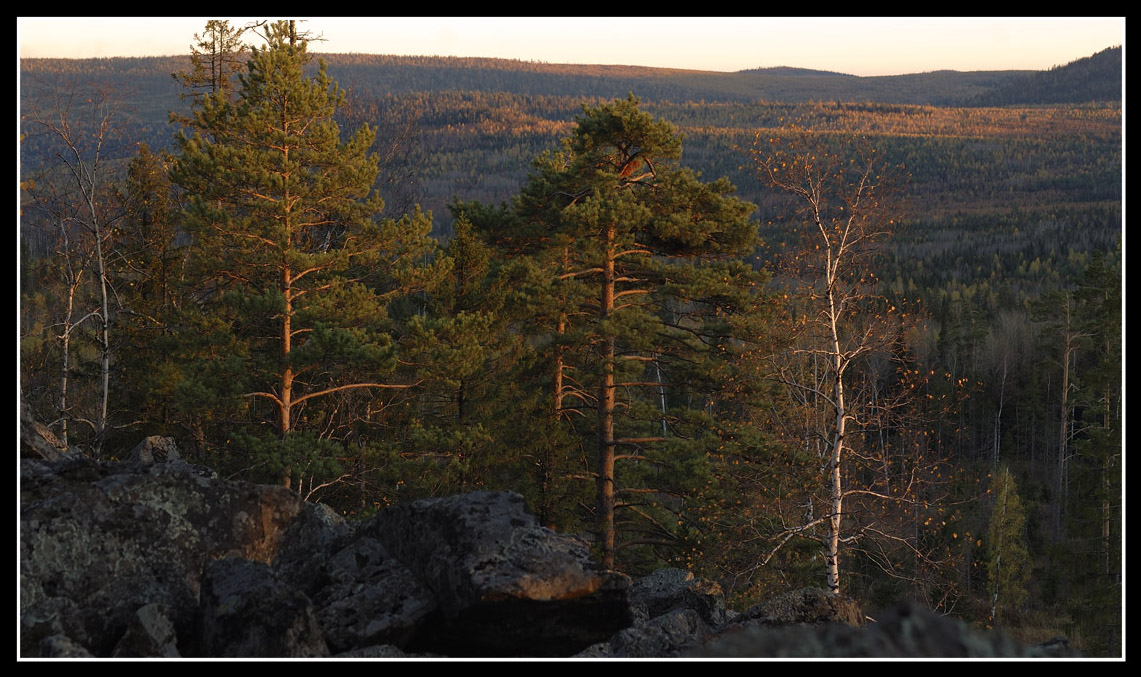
(385, 74)
(1094, 78)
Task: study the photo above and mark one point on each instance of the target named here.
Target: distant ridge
(1094, 78)
(1091, 80)
(799, 72)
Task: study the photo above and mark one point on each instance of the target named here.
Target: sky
(853, 45)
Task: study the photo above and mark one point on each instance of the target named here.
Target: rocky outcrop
(246, 611)
(673, 611)
(99, 541)
(159, 558)
(154, 449)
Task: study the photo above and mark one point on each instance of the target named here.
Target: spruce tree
(146, 270)
(293, 269)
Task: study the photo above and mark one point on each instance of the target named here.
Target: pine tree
(293, 270)
(647, 264)
(464, 355)
(217, 56)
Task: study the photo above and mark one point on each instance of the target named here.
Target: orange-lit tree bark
(842, 202)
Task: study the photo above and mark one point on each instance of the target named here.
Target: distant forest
(482, 320)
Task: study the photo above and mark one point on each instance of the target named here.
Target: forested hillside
(1095, 78)
(780, 327)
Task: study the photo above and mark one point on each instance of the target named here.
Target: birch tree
(842, 202)
(81, 126)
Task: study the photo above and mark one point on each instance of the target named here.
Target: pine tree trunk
(606, 403)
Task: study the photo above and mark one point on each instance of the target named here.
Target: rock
(154, 449)
(668, 635)
(317, 529)
(150, 634)
(61, 646)
(371, 600)
(807, 605)
(505, 585)
(100, 540)
(246, 612)
(674, 612)
(38, 441)
(113, 555)
(165, 559)
(668, 589)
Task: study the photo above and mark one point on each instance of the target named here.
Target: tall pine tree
(294, 270)
(647, 262)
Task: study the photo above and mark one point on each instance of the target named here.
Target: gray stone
(62, 646)
(372, 599)
(807, 605)
(246, 612)
(154, 449)
(38, 441)
(671, 634)
(669, 589)
(100, 540)
(150, 634)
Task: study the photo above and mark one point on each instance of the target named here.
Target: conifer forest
(780, 329)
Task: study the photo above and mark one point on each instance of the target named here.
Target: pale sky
(858, 46)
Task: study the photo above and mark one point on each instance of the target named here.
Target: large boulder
(674, 612)
(668, 589)
(154, 449)
(38, 441)
(669, 635)
(505, 584)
